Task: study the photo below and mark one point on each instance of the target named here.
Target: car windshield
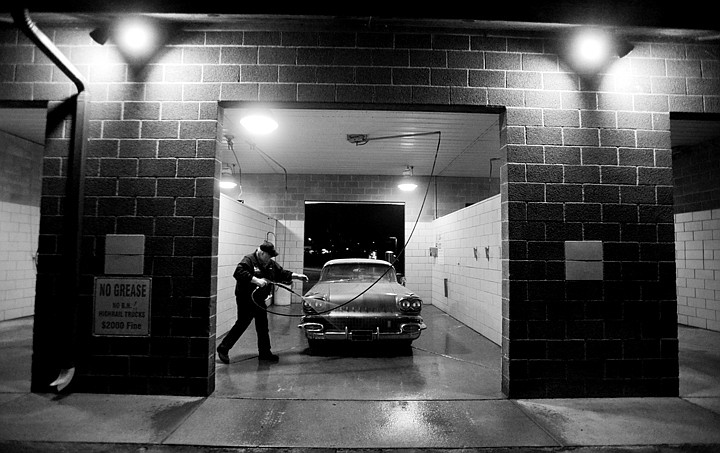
(357, 271)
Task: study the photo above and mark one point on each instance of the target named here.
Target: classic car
(357, 299)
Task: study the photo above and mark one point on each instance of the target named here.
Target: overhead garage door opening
(350, 158)
(352, 230)
(324, 185)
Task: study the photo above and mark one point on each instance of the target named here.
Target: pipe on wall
(74, 195)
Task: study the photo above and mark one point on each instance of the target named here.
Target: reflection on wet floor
(449, 361)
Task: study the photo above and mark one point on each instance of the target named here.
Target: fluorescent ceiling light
(259, 122)
(407, 186)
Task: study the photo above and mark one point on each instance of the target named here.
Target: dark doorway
(352, 230)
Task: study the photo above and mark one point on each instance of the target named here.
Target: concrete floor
(448, 362)
(444, 393)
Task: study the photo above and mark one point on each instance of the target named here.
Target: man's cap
(269, 248)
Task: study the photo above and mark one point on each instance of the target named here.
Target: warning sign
(122, 306)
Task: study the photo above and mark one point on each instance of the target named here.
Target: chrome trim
(422, 326)
(311, 326)
(376, 335)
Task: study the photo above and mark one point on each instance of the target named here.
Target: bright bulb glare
(227, 184)
(407, 186)
(258, 123)
(136, 37)
(592, 50)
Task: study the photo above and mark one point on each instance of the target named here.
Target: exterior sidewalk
(92, 422)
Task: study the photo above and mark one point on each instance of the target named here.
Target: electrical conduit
(74, 194)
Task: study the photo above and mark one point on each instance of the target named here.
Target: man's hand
(260, 282)
(302, 277)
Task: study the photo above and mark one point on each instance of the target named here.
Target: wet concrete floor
(442, 393)
(448, 362)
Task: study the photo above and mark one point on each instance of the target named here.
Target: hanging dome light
(227, 181)
(407, 184)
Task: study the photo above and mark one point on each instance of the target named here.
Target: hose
(417, 220)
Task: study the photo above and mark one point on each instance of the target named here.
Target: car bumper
(316, 330)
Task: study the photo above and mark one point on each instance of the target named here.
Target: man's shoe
(223, 355)
(268, 357)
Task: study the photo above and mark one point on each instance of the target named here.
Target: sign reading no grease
(122, 306)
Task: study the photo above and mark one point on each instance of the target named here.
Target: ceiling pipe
(74, 195)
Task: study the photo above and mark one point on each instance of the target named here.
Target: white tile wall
(19, 226)
(475, 283)
(242, 229)
(289, 242)
(474, 277)
(697, 256)
(418, 264)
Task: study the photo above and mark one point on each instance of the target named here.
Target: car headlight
(313, 304)
(410, 304)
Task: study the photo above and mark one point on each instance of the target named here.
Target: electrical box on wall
(583, 260)
(124, 254)
(434, 252)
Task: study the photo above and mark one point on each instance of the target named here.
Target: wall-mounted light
(407, 184)
(259, 121)
(138, 38)
(227, 180)
(590, 50)
(100, 35)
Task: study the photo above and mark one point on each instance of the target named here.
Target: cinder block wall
(696, 172)
(586, 160)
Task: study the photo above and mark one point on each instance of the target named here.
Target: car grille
(374, 303)
(361, 323)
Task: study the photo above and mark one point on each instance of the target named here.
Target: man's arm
(245, 272)
(288, 276)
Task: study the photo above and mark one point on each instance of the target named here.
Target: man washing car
(254, 276)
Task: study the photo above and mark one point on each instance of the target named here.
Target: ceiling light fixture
(259, 122)
(407, 184)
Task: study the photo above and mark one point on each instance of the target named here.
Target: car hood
(381, 297)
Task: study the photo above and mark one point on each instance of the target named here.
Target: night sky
(349, 230)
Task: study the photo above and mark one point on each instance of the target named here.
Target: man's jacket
(249, 267)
